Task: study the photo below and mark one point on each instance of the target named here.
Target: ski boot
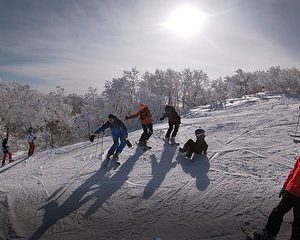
(107, 160)
(144, 145)
(116, 160)
(182, 150)
(166, 140)
(189, 155)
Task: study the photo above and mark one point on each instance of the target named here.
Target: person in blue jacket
(119, 134)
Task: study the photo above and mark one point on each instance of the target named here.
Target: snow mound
(64, 193)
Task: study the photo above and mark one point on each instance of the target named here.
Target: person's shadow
(159, 169)
(99, 194)
(197, 167)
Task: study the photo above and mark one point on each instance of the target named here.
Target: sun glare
(185, 21)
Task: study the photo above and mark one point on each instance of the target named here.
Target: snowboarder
(145, 117)
(290, 198)
(30, 139)
(174, 122)
(119, 134)
(6, 152)
(191, 147)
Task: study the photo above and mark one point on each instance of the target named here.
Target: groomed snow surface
(63, 193)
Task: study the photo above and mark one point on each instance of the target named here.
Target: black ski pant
(172, 126)
(275, 219)
(190, 147)
(147, 132)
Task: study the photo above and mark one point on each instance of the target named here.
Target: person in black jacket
(200, 146)
(174, 122)
(6, 152)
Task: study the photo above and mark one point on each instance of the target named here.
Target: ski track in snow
(63, 193)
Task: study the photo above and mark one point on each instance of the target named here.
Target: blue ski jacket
(117, 128)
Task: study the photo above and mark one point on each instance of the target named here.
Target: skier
(290, 198)
(191, 147)
(6, 152)
(119, 134)
(30, 139)
(174, 122)
(145, 117)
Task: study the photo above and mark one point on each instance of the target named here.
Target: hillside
(63, 193)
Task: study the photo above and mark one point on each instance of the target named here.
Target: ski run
(65, 194)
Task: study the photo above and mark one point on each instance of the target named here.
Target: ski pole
(96, 147)
(101, 145)
(296, 131)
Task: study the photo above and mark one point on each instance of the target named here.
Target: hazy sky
(82, 43)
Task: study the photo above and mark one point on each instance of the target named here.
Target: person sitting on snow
(191, 147)
(174, 122)
(119, 134)
(6, 152)
(290, 198)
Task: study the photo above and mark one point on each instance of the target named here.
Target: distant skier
(191, 147)
(174, 122)
(290, 198)
(119, 134)
(30, 139)
(145, 117)
(6, 152)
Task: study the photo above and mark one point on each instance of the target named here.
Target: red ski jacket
(292, 183)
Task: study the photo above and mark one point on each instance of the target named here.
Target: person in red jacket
(145, 117)
(290, 198)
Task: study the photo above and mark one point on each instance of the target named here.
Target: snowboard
(186, 157)
(171, 143)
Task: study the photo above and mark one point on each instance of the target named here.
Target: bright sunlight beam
(185, 21)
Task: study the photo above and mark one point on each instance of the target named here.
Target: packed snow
(64, 193)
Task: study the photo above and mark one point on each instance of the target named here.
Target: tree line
(59, 118)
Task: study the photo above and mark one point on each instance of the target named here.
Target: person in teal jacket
(119, 134)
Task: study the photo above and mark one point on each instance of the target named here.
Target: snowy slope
(64, 193)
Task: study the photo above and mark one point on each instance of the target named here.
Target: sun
(185, 21)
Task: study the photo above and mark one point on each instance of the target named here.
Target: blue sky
(82, 43)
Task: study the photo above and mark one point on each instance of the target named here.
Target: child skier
(145, 117)
(174, 122)
(6, 152)
(119, 134)
(30, 139)
(191, 147)
(290, 198)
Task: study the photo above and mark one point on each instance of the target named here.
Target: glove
(128, 143)
(281, 192)
(161, 119)
(92, 138)
(126, 117)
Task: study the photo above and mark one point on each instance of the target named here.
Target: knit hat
(200, 132)
(142, 106)
(111, 116)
